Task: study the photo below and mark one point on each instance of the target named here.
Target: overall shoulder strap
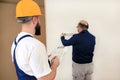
(17, 43)
(21, 39)
(16, 46)
(21, 75)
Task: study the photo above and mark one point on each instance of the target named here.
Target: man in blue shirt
(83, 45)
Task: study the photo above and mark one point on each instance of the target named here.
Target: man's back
(83, 47)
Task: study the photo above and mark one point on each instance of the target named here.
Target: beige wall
(9, 28)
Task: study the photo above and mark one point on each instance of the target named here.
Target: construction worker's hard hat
(27, 8)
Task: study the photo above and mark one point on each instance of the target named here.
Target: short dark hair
(24, 19)
(83, 26)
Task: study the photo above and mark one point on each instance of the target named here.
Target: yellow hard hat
(26, 8)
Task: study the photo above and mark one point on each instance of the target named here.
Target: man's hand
(62, 34)
(55, 62)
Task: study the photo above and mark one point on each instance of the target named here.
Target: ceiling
(40, 2)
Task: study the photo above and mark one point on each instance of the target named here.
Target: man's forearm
(50, 76)
(68, 42)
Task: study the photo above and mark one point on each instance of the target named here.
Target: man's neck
(27, 29)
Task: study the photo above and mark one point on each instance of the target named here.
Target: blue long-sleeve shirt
(83, 46)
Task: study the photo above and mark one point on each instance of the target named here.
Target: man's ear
(34, 20)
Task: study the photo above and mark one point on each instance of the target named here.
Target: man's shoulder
(76, 35)
(34, 41)
(92, 35)
(31, 42)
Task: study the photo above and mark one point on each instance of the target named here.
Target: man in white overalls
(29, 54)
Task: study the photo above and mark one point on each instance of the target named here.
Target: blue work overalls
(21, 75)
